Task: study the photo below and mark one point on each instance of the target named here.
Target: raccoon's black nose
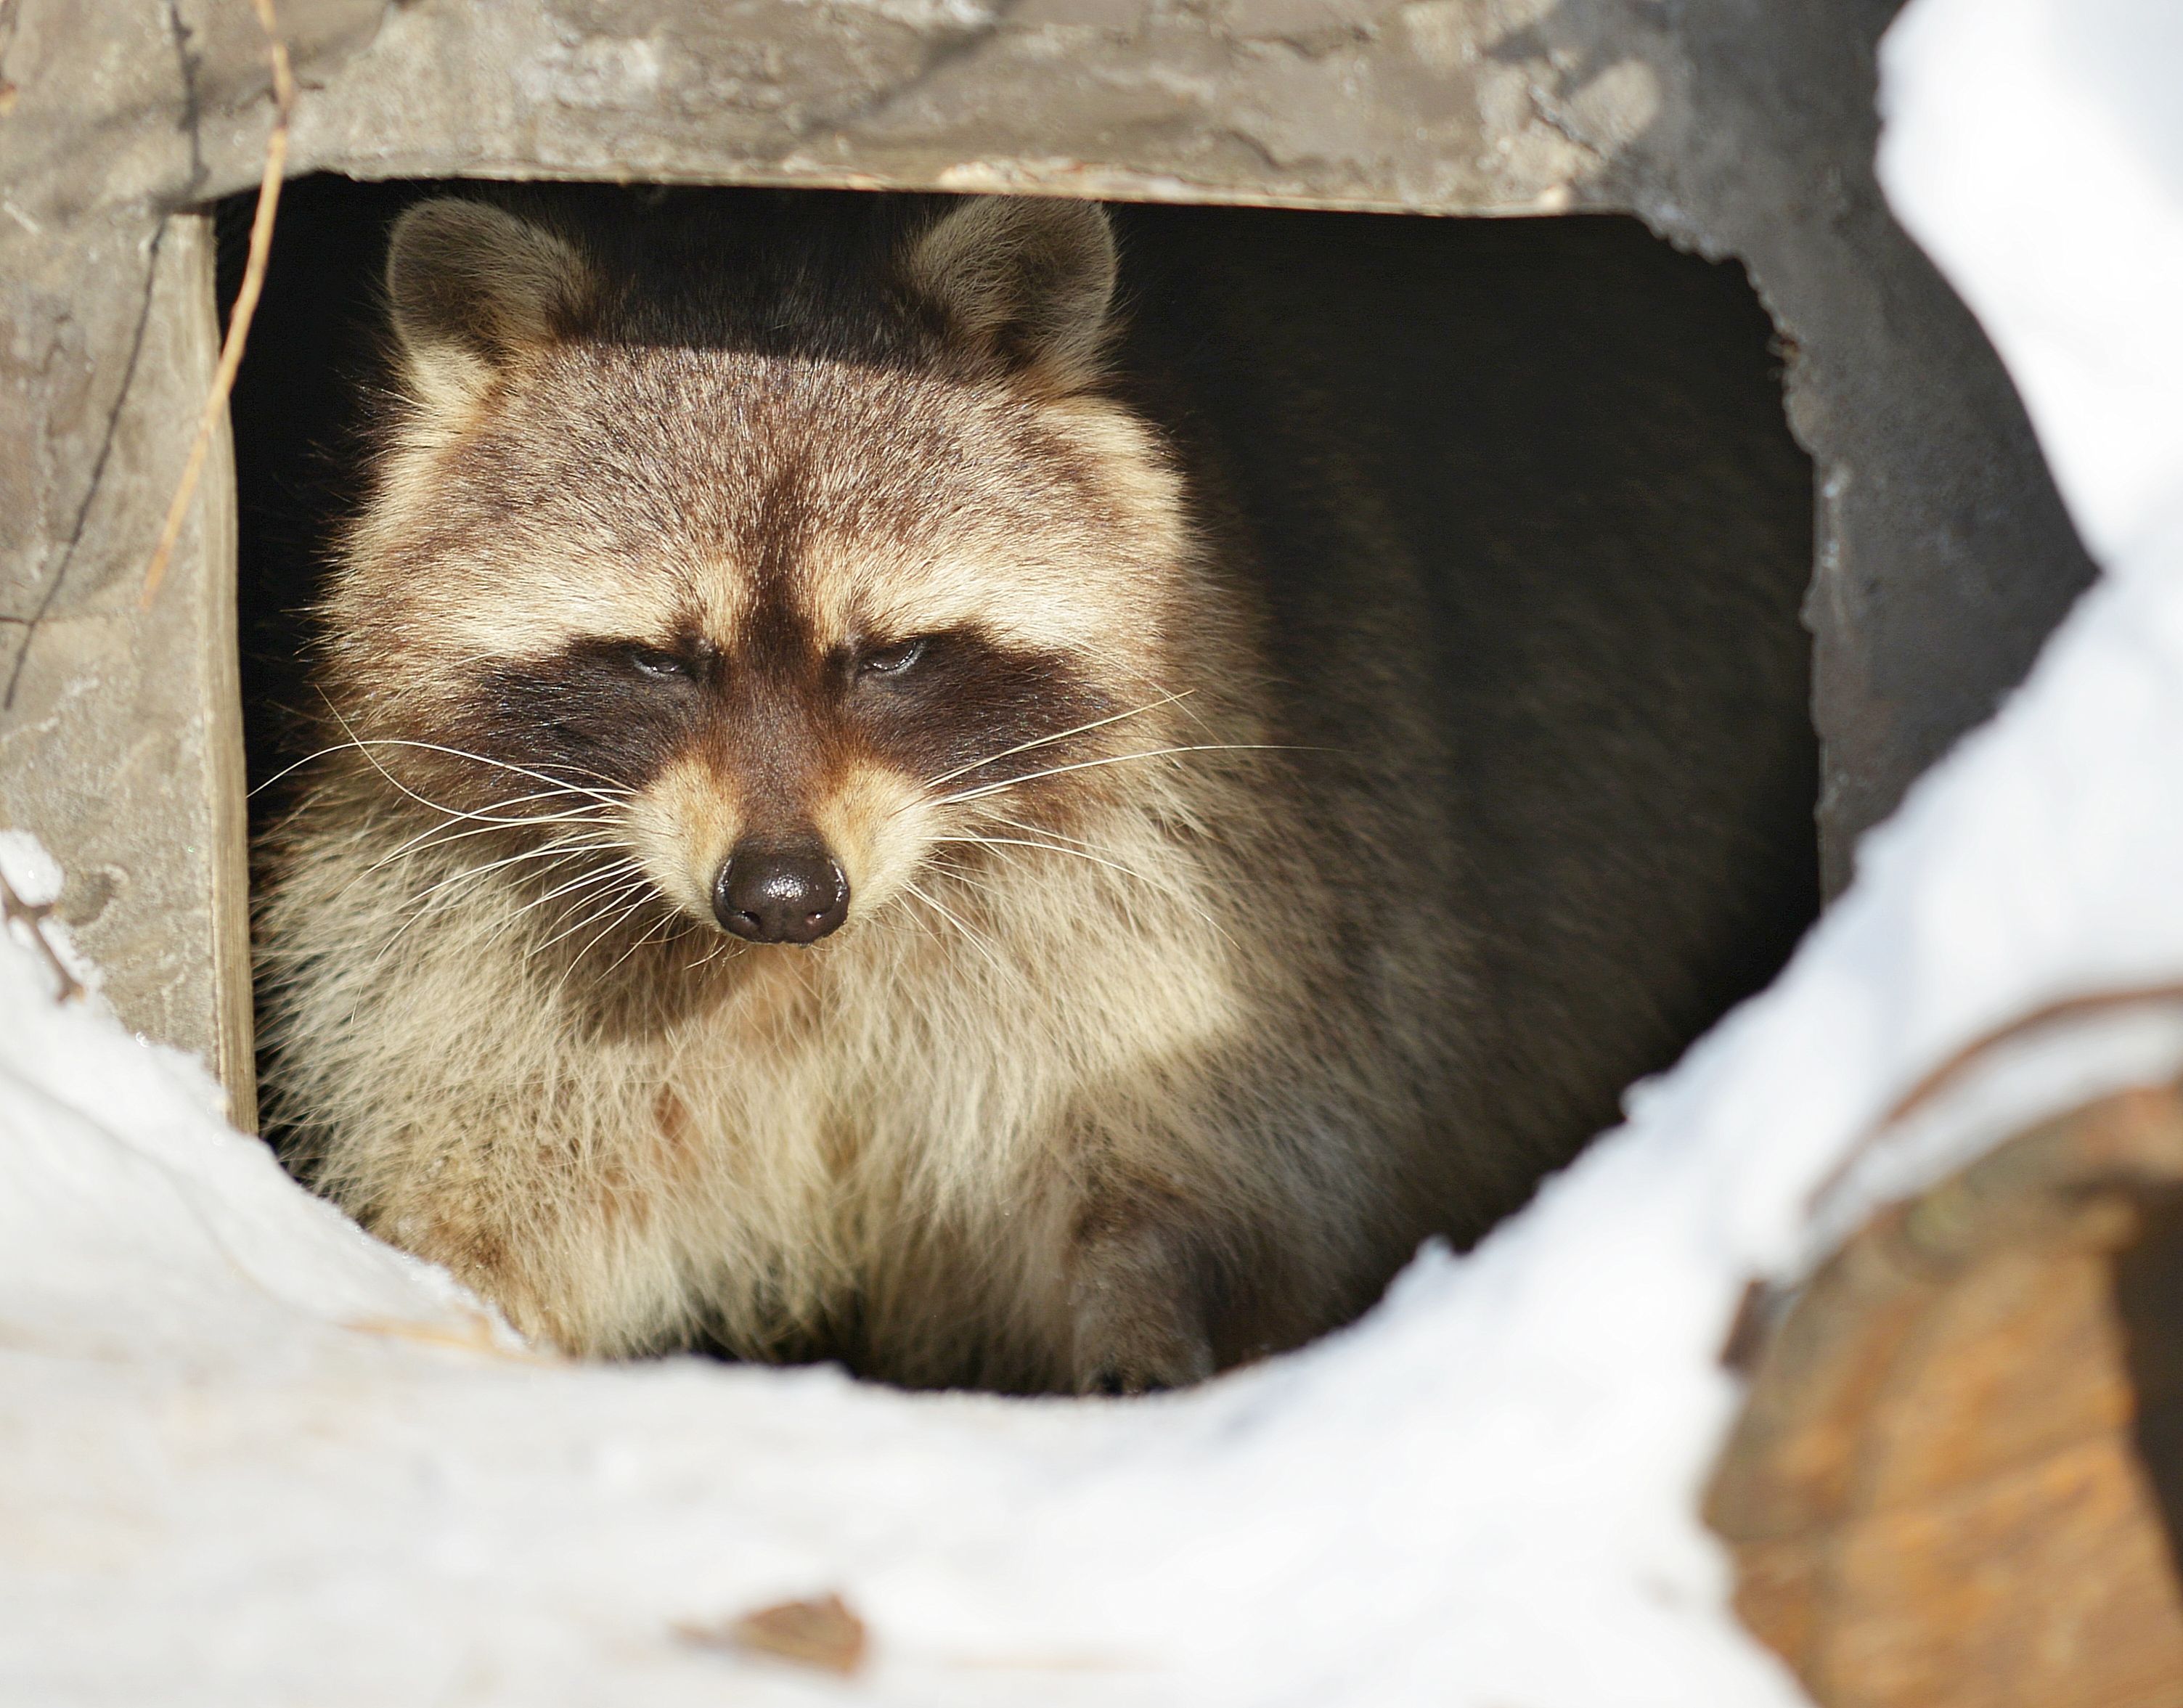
(772, 892)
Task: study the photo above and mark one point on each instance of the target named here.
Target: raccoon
(820, 850)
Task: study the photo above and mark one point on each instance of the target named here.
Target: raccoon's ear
(472, 285)
(1025, 283)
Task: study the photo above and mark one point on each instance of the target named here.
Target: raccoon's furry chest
(880, 1150)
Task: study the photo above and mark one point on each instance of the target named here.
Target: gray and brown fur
(1165, 1017)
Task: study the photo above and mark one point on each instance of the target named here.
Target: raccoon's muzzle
(780, 892)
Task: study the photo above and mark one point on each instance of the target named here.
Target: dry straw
(245, 300)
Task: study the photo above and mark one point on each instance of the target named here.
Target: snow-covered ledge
(251, 1457)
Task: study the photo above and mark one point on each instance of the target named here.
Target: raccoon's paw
(1145, 1370)
(1137, 1329)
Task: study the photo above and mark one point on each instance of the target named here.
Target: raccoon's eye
(661, 667)
(890, 661)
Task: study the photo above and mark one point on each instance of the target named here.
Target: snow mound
(253, 1457)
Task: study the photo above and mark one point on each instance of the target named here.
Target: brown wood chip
(822, 1633)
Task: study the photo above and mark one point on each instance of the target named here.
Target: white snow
(2034, 148)
(249, 1455)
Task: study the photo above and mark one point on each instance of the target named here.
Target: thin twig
(14, 910)
(245, 300)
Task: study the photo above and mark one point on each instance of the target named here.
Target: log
(1957, 1476)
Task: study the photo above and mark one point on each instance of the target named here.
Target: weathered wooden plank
(120, 726)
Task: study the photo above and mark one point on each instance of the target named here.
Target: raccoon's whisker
(1046, 831)
(556, 852)
(455, 886)
(654, 932)
(615, 919)
(492, 816)
(690, 927)
(417, 906)
(985, 789)
(553, 852)
(1049, 835)
(726, 945)
(969, 935)
(629, 891)
(452, 813)
(592, 908)
(1057, 848)
(295, 766)
(612, 793)
(954, 869)
(559, 856)
(608, 790)
(422, 842)
(361, 745)
(439, 836)
(619, 868)
(497, 805)
(1058, 736)
(619, 876)
(501, 807)
(618, 873)
(624, 870)
(1150, 882)
(1036, 829)
(605, 931)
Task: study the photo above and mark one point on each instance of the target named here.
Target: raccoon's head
(765, 559)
